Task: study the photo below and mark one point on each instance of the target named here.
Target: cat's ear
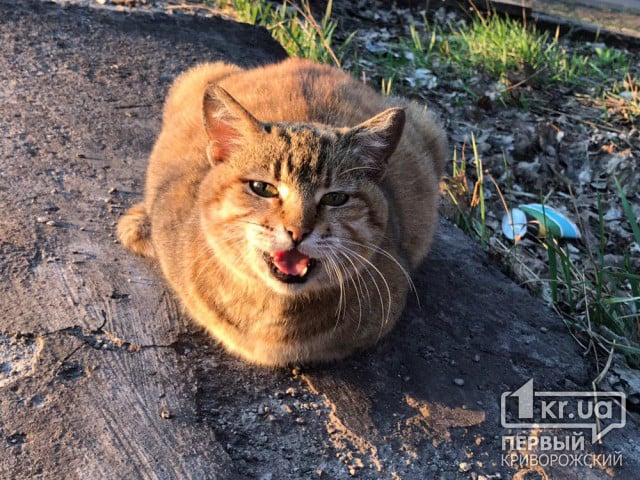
(228, 124)
(376, 139)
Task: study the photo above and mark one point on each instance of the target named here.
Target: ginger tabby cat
(286, 204)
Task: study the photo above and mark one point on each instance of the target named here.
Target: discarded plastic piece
(539, 220)
(552, 221)
(514, 225)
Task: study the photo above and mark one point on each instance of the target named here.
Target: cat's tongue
(291, 262)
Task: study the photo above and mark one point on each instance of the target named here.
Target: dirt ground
(102, 376)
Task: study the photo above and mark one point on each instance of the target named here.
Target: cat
(286, 206)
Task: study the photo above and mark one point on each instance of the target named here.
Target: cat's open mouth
(290, 266)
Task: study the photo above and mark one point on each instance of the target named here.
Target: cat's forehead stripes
(305, 155)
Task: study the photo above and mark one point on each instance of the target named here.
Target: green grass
(294, 27)
(598, 299)
(500, 45)
(469, 203)
(493, 44)
(515, 54)
(599, 302)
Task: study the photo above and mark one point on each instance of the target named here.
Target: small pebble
(165, 413)
(51, 223)
(300, 420)
(458, 381)
(544, 329)
(113, 190)
(291, 391)
(476, 358)
(42, 220)
(464, 467)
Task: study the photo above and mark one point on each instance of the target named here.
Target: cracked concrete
(18, 355)
(102, 340)
(113, 381)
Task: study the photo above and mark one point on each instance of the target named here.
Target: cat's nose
(297, 233)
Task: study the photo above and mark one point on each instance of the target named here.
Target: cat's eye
(263, 189)
(334, 199)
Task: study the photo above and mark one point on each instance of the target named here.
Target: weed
(469, 204)
(386, 85)
(294, 27)
(513, 52)
(599, 300)
(622, 100)
(609, 58)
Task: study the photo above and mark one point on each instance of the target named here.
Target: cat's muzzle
(277, 260)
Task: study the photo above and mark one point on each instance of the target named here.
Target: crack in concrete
(100, 339)
(97, 339)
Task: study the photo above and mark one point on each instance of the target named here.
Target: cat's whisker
(342, 302)
(358, 274)
(338, 274)
(250, 223)
(343, 275)
(388, 255)
(375, 284)
(208, 262)
(331, 271)
(234, 240)
(230, 241)
(382, 277)
(344, 172)
(357, 287)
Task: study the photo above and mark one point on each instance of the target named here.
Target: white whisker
(388, 255)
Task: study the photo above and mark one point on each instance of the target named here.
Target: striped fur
(308, 130)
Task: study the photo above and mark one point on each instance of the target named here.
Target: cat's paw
(134, 231)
